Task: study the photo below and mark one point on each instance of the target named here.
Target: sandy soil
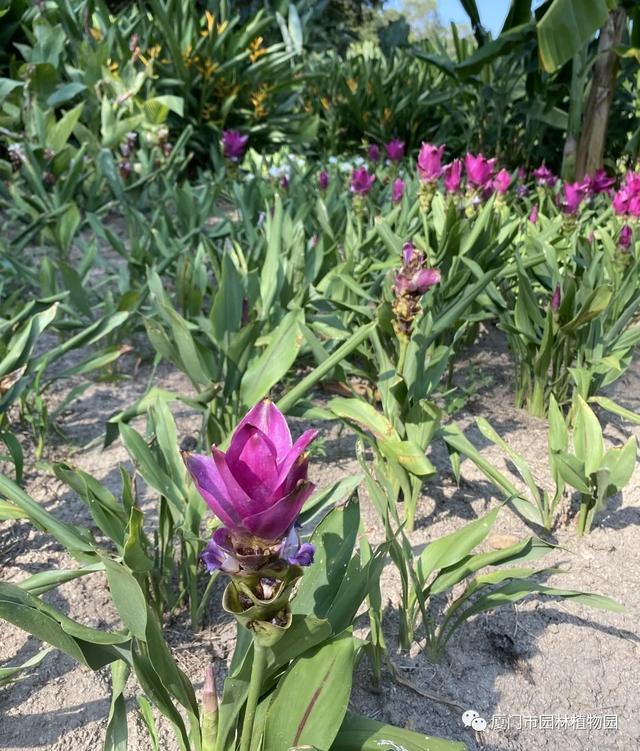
(533, 659)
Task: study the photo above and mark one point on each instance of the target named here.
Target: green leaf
(76, 540)
(363, 734)
(128, 598)
(571, 470)
(274, 363)
(117, 734)
(621, 462)
(587, 438)
(46, 580)
(452, 548)
(58, 136)
(365, 416)
(9, 674)
(566, 27)
(611, 406)
(334, 539)
(311, 700)
(90, 647)
(408, 455)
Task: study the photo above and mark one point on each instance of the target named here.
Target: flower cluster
(412, 280)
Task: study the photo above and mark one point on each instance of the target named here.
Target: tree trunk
(596, 117)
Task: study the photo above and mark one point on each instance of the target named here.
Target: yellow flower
(96, 33)
(209, 19)
(258, 99)
(112, 66)
(325, 102)
(386, 115)
(222, 27)
(208, 68)
(352, 84)
(256, 49)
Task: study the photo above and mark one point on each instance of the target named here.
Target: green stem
(402, 355)
(255, 685)
(583, 516)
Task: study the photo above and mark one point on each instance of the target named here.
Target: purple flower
(556, 298)
(361, 181)
(284, 182)
(429, 162)
(522, 174)
(294, 552)
(625, 237)
(574, 194)
(395, 149)
(599, 182)
(502, 181)
(373, 152)
(424, 280)
(413, 278)
(533, 216)
(479, 169)
(408, 253)
(544, 176)
(258, 486)
(453, 176)
(323, 180)
(397, 190)
(233, 144)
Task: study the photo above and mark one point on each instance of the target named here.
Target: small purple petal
(216, 557)
(304, 556)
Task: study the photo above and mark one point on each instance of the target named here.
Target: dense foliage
(270, 210)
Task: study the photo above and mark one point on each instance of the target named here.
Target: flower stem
(257, 671)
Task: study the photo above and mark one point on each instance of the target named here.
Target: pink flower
(361, 181)
(453, 176)
(502, 181)
(429, 162)
(395, 149)
(397, 190)
(479, 169)
(533, 216)
(574, 194)
(373, 152)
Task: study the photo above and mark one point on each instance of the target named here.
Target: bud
(209, 710)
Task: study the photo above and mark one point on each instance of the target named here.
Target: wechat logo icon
(472, 719)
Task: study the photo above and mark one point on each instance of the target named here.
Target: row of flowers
(476, 176)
